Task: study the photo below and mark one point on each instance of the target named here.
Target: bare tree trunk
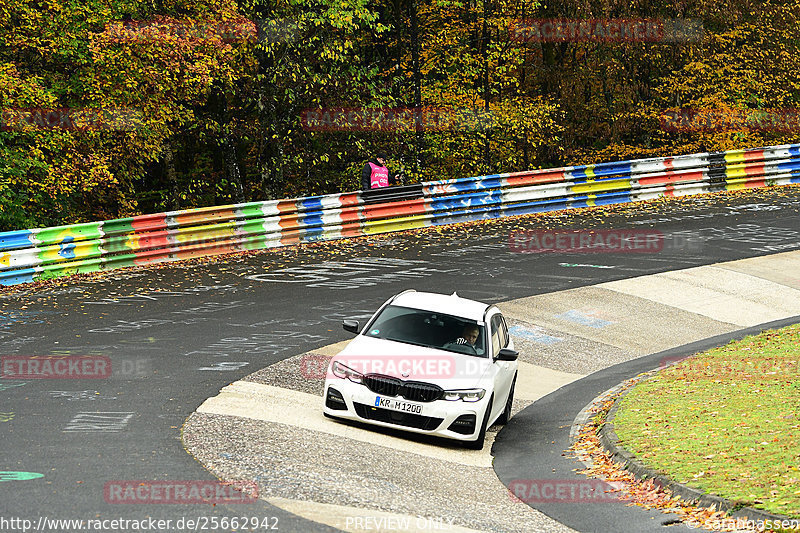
(270, 152)
(526, 163)
(415, 66)
(271, 170)
(232, 171)
(485, 58)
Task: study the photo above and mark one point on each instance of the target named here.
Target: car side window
(504, 331)
(497, 340)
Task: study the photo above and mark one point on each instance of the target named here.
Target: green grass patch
(725, 421)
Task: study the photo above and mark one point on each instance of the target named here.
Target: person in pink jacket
(375, 174)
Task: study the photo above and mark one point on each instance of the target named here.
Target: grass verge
(726, 421)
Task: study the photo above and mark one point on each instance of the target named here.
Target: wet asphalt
(174, 335)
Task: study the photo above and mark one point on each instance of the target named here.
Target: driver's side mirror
(507, 354)
(350, 325)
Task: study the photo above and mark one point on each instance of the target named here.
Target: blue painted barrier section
(11, 240)
(311, 203)
(790, 165)
(539, 206)
(29, 255)
(15, 277)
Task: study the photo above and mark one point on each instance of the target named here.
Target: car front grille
(421, 392)
(368, 412)
(414, 391)
(384, 385)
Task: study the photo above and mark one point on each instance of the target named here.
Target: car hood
(415, 363)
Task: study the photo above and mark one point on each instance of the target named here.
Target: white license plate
(398, 405)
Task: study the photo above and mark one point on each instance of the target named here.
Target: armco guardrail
(30, 255)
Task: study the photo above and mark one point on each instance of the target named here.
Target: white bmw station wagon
(427, 363)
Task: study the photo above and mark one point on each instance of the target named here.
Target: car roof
(452, 304)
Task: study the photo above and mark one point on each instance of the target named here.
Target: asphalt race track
(178, 334)
(250, 429)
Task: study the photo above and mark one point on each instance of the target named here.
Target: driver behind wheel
(468, 336)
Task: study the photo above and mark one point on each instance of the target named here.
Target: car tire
(477, 444)
(505, 416)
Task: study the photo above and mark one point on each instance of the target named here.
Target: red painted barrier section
(519, 179)
(755, 169)
(671, 177)
(149, 222)
(395, 209)
(203, 216)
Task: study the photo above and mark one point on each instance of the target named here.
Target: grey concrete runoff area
(187, 343)
(247, 431)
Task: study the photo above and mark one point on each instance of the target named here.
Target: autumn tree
(182, 104)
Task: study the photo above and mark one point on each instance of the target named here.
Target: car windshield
(429, 329)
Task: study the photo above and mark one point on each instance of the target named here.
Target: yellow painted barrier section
(204, 233)
(735, 157)
(371, 227)
(737, 172)
(746, 183)
(601, 186)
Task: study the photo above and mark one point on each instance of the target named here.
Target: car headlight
(341, 371)
(467, 395)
